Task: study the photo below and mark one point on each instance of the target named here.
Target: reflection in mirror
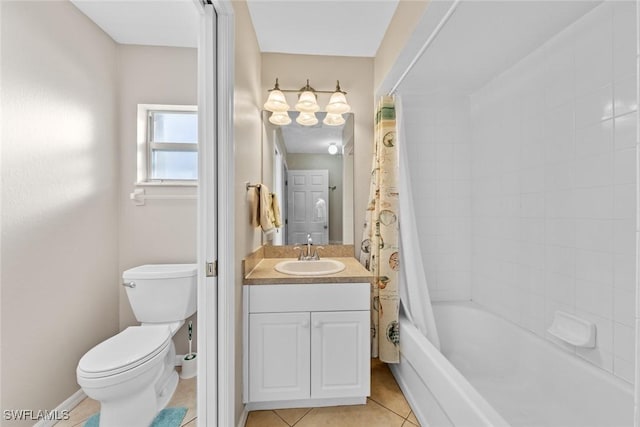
(310, 169)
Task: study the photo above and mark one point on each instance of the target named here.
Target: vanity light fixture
(307, 105)
(280, 119)
(333, 149)
(332, 119)
(307, 119)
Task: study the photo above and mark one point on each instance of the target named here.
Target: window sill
(166, 184)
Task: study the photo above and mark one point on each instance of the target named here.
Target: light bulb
(280, 119)
(333, 119)
(307, 102)
(338, 104)
(307, 119)
(276, 103)
(333, 149)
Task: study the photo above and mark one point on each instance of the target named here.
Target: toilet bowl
(132, 374)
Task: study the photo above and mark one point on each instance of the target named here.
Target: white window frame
(145, 145)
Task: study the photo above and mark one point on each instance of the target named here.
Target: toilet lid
(126, 350)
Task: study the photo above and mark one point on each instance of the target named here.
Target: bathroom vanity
(306, 339)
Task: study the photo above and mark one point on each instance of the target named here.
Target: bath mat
(168, 417)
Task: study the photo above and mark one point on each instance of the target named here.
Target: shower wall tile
(625, 131)
(624, 307)
(624, 47)
(625, 166)
(440, 166)
(553, 185)
(595, 139)
(624, 272)
(625, 95)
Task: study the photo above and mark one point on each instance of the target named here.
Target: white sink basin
(318, 267)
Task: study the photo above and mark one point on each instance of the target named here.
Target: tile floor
(386, 407)
(185, 395)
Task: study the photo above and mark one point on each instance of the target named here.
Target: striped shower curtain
(380, 243)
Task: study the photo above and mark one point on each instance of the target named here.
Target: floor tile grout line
(278, 415)
(389, 409)
(187, 422)
(305, 414)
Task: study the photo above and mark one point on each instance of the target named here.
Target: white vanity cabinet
(306, 345)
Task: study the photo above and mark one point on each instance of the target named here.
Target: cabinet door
(340, 354)
(279, 359)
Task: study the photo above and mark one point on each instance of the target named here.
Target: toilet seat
(127, 350)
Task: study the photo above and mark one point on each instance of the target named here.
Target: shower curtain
(414, 292)
(380, 244)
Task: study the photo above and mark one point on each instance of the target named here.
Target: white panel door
(279, 356)
(340, 356)
(308, 206)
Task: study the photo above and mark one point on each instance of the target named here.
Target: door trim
(225, 215)
(216, 307)
(207, 332)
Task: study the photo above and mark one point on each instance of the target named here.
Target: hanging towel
(266, 209)
(320, 210)
(275, 209)
(254, 206)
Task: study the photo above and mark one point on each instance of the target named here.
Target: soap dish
(573, 330)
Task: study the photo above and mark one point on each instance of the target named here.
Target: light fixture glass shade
(307, 102)
(280, 119)
(276, 103)
(333, 119)
(307, 119)
(333, 149)
(338, 104)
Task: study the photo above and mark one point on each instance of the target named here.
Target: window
(170, 150)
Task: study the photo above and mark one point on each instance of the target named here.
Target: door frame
(216, 307)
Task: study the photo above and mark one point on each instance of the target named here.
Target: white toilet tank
(160, 293)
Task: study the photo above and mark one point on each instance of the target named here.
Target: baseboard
(62, 409)
(243, 416)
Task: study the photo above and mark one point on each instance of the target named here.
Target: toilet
(132, 374)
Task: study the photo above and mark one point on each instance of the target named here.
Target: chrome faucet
(308, 256)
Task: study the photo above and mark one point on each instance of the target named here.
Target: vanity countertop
(265, 274)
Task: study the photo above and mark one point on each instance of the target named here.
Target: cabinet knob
(317, 324)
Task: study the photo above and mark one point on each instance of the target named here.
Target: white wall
(161, 231)
(59, 199)
(553, 195)
(437, 130)
(247, 145)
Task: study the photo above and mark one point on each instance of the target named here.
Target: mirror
(314, 188)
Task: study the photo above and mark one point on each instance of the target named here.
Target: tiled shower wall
(553, 185)
(438, 128)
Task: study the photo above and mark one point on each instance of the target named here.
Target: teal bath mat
(168, 417)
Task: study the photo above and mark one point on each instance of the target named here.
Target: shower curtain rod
(426, 45)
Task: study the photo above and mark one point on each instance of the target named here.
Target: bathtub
(494, 373)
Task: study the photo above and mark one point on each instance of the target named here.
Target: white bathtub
(497, 374)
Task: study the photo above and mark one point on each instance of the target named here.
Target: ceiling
(484, 38)
(145, 22)
(321, 27)
(313, 27)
